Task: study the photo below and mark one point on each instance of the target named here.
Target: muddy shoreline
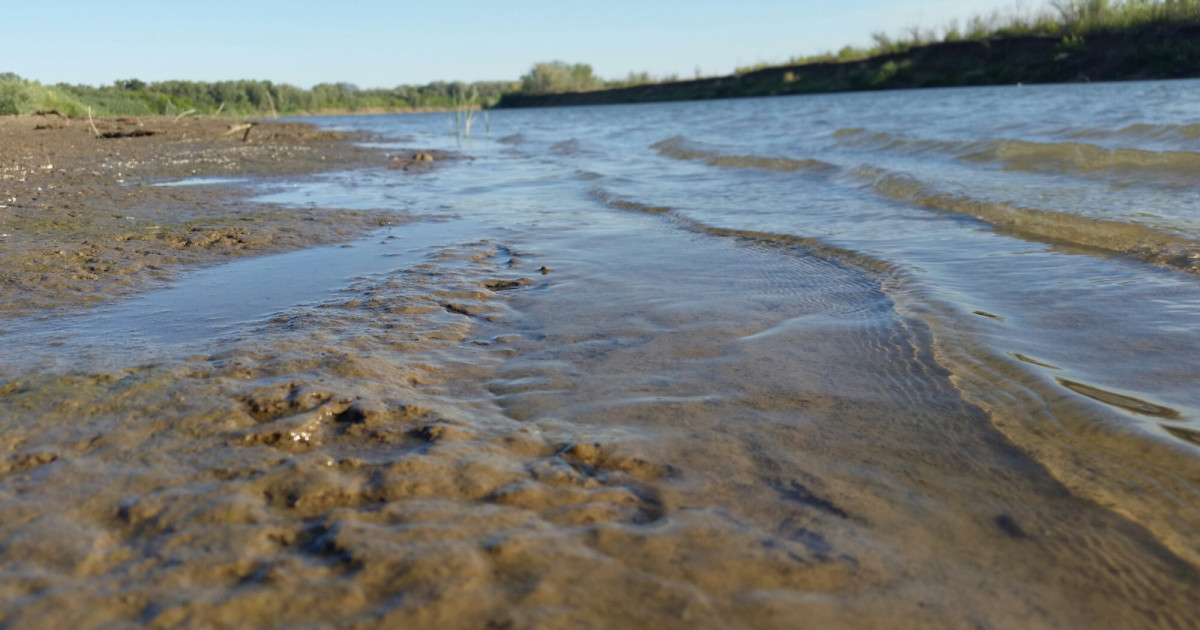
(82, 219)
(553, 414)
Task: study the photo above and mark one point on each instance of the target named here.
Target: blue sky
(384, 44)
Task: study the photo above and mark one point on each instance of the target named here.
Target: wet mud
(82, 218)
(472, 443)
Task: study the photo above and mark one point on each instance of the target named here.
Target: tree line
(133, 97)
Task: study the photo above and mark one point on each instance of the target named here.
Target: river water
(901, 359)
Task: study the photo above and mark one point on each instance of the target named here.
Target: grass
(21, 96)
(1072, 20)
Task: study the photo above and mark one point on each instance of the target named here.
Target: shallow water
(919, 358)
(201, 181)
(218, 301)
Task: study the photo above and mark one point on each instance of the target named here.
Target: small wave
(1144, 131)
(1171, 167)
(1074, 157)
(620, 203)
(680, 148)
(567, 147)
(883, 141)
(1145, 243)
(815, 247)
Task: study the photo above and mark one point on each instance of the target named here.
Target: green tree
(558, 76)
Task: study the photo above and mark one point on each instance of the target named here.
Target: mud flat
(82, 217)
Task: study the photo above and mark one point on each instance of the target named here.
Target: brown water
(763, 363)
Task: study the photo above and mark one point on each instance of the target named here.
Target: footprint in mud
(793, 490)
(573, 483)
(25, 462)
(1009, 526)
(270, 403)
(595, 459)
(464, 308)
(297, 416)
(588, 483)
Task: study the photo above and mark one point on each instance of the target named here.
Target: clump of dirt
(422, 161)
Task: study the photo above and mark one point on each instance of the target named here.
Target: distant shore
(1157, 52)
(375, 111)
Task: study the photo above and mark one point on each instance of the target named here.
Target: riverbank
(717, 369)
(1157, 52)
(84, 215)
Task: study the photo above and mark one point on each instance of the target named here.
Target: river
(898, 359)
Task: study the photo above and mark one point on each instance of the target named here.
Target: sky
(383, 43)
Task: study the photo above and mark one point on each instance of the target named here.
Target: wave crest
(681, 148)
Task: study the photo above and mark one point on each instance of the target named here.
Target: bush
(556, 77)
(21, 96)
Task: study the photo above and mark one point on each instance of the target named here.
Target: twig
(271, 101)
(236, 128)
(94, 130)
(220, 108)
(190, 111)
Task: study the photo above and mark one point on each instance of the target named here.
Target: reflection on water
(210, 301)
(910, 358)
(202, 181)
(224, 300)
